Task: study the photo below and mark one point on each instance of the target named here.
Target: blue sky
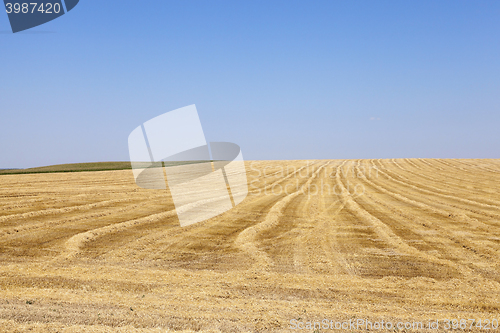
(283, 79)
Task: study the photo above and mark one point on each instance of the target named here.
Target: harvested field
(403, 240)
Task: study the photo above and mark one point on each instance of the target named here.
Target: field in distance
(84, 167)
(73, 167)
(401, 240)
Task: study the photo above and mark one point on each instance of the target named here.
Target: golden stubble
(401, 239)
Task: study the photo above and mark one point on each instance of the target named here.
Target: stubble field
(402, 240)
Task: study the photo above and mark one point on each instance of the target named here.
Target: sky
(282, 79)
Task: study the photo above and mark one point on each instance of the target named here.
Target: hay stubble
(90, 251)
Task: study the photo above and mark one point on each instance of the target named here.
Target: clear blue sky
(283, 79)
